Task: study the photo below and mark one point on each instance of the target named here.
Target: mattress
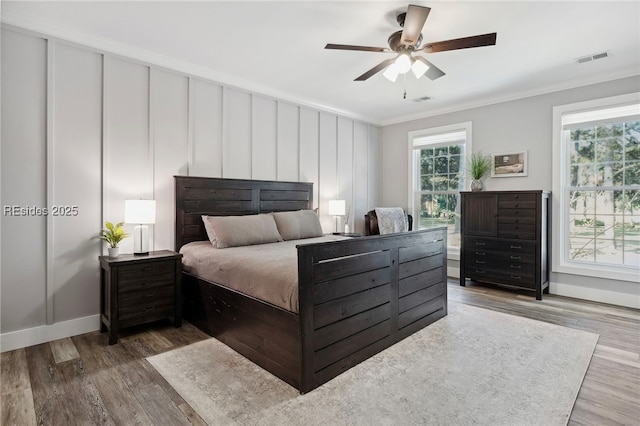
(268, 272)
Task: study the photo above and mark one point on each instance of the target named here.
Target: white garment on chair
(391, 220)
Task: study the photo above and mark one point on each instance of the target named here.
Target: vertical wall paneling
(374, 167)
(50, 282)
(345, 166)
(309, 150)
(236, 136)
(205, 116)
(83, 130)
(264, 160)
(288, 147)
(127, 159)
(328, 168)
(23, 168)
(169, 109)
(75, 111)
(360, 181)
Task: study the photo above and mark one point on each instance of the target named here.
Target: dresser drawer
(501, 277)
(514, 201)
(498, 259)
(516, 213)
(513, 219)
(516, 228)
(480, 245)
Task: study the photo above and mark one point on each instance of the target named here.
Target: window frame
(453, 253)
(561, 262)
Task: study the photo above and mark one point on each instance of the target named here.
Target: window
(598, 188)
(437, 173)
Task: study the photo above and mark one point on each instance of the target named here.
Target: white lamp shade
(419, 67)
(337, 207)
(403, 63)
(140, 211)
(391, 73)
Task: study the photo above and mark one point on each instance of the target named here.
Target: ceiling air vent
(424, 98)
(592, 57)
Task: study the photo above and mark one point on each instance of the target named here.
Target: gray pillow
(298, 224)
(234, 231)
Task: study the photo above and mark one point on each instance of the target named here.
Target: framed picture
(510, 164)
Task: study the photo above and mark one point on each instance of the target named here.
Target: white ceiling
(277, 48)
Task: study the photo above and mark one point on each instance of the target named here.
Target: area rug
(474, 366)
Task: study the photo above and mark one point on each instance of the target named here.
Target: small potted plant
(479, 165)
(113, 235)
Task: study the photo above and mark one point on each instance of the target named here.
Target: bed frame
(356, 297)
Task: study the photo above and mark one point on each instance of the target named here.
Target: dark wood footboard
(360, 296)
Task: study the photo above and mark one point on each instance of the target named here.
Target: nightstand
(136, 289)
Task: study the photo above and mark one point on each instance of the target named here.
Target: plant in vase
(113, 234)
(479, 165)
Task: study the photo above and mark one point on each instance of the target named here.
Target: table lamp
(337, 208)
(142, 213)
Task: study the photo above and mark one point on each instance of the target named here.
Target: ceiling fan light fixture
(419, 68)
(391, 73)
(403, 63)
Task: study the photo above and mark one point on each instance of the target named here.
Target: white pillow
(299, 224)
(234, 231)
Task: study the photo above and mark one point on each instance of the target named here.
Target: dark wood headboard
(197, 196)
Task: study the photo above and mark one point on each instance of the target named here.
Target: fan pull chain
(404, 79)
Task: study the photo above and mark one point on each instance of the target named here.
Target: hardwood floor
(83, 381)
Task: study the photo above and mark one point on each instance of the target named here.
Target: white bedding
(268, 272)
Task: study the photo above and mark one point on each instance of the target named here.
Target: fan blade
(461, 43)
(413, 23)
(433, 72)
(382, 65)
(362, 48)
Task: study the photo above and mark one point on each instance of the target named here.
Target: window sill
(611, 273)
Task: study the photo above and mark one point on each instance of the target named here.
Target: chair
(371, 223)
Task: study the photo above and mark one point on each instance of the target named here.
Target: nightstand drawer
(141, 297)
(144, 283)
(151, 311)
(146, 269)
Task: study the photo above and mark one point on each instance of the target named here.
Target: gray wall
(89, 129)
(524, 124)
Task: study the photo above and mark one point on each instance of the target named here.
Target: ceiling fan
(407, 41)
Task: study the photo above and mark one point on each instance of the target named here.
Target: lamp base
(141, 240)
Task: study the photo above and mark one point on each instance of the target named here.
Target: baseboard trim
(595, 295)
(47, 333)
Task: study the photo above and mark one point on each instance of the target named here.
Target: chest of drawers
(505, 239)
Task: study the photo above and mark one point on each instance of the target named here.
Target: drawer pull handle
(516, 277)
(149, 309)
(516, 266)
(516, 221)
(479, 271)
(479, 243)
(516, 212)
(516, 196)
(481, 262)
(480, 253)
(515, 257)
(516, 247)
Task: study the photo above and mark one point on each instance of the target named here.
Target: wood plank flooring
(84, 381)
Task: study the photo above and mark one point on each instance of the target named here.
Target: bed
(356, 296)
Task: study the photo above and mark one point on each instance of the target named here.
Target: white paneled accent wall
(82, 128)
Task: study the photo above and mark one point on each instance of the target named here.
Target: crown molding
(631, 72)
(21, 23)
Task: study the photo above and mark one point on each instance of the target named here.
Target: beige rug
(474, 366)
